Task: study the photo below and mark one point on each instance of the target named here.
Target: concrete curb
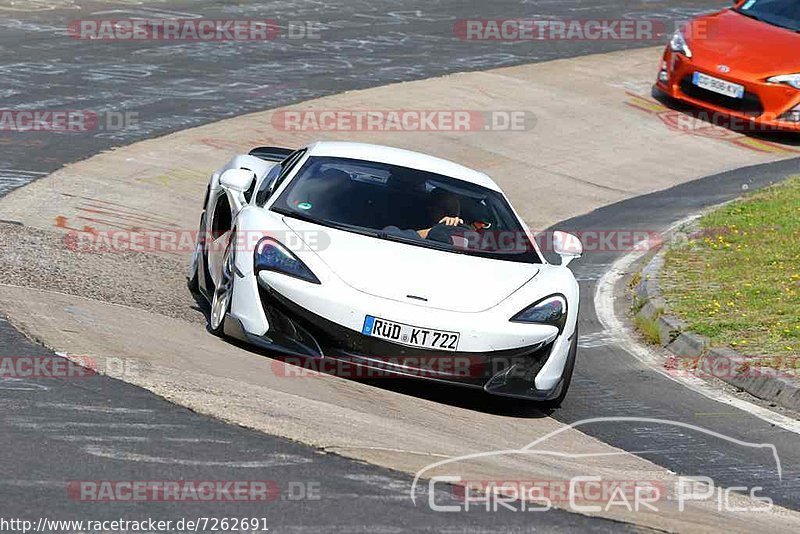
(694, 353)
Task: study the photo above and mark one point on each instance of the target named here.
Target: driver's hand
(451, 221)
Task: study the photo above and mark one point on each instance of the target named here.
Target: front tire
(198, 258)
(223, 293)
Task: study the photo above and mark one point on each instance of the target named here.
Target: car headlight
(678, 44)
(788, 79)
(272, 256)
(551, 310)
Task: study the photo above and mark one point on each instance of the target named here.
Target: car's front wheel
(223, 292)
(193, 280)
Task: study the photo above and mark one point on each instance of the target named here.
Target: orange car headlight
(788, 79)
(678, 44)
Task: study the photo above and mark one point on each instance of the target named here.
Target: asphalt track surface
(101, 429)
(175, 85)
(609, 382)
(61, 430)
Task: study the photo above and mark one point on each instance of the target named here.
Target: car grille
(339, 342)
(750, 104)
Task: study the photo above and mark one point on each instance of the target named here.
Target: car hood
(416, 275)
(751, 48)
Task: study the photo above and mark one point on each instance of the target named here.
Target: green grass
(737, 279)
(649, 329)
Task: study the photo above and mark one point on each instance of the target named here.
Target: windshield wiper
(400, 238)
(427, 243)
(301, 216)
(354, 228)
(326, 222)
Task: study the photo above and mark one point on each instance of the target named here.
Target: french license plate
(412, 336)
(722, 87)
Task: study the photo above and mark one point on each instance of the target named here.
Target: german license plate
(412, 336)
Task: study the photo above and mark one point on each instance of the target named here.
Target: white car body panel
(393, 270)
(363, 275)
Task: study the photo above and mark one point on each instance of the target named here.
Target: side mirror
(567, 246)
(237, 179)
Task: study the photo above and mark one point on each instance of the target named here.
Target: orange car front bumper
(765, 106)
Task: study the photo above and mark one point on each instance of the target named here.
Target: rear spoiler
(271, 153)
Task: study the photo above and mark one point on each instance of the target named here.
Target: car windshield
(783, 13)
(406, 205)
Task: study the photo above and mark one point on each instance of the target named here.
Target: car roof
(401, 158)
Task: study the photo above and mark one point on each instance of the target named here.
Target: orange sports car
(742, 63)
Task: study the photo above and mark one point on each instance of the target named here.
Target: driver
(444, 208)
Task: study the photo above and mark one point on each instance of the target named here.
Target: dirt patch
(41, 259)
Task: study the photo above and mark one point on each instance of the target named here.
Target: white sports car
(386, 259)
